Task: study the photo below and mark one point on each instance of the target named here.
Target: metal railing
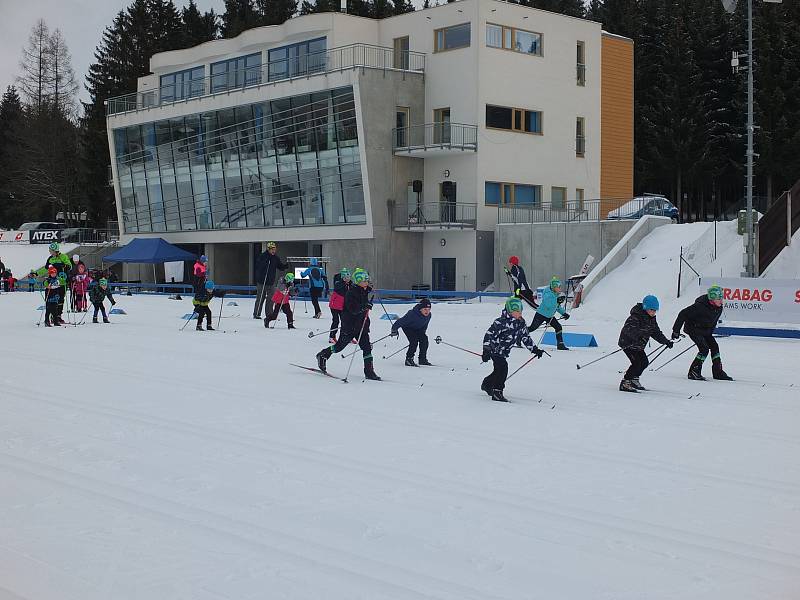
(89, 235)
(435, 135)
(336, 59)
(583, 210)
(441, 215)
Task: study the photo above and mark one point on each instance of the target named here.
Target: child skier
(521, 287)
(341, 284)
(640, 326)
(699, 321)
(317, 284)
(355, 325)
(80, 285)
(53, 296)
(61, 262)
(281, 301)
(500, 337)
(414, 324)
(202, 298)
(200, 274)
(551, 304)
(98, 292)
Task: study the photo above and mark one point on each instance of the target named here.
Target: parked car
(645, 205)
(36, 225)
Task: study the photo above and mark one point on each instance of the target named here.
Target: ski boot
(266, 322)
(105, 320)
(718, 373)
(322, 359)
(637, 385)
(560, 341)
(410, 362)
(423, 362)
(369, 371)
(318, 315)
(485, 387)
(626, 385)
(497, 396)
(94, 320)
(695, 369)
(291, 326)
(47, 324)
(209, 327)
(332, 341)
(199, 327)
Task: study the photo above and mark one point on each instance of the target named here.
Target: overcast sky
(81, 21)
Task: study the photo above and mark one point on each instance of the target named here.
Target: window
(513, 119)
(580, 63)
(512, 194)
(450, 38)
(401, 123)
(558, 197)
(401, 56)
(580, 196)
(580, 136)
(511, 38)
(441, 126)
(239, 72)
(297, 59)
(183, 84)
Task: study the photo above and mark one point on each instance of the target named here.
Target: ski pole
(44, 310)
(391, 321)
(373, 343)
(523, 365)
(599, 359)
(673, 358)
(438, 339)
(395, 352)
(191, 318)
(360, 333)
(312, 334)
(221, 304)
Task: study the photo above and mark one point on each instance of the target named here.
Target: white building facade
(386, 144)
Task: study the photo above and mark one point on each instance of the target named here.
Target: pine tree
(239, 15)
(12, 121)
(197, 27)
(275, 12)
(35, 81)
(64, 88)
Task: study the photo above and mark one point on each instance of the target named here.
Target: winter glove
(368, 306)
(537, 352)
(486, 355)
(676, 335)
(506, 270)
(565, 316)
(669, 345)
(561, 298)
(395, 333)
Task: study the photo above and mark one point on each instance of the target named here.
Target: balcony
(354, 56)
(432, 139)
(435, 215)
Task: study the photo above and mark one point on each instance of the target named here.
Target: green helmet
(514, 304)
(360, 276)
(289, 278)
(55, 247)
(103, 282)
(554, 283)
(271, 245)
(715, 292)
(345, 273)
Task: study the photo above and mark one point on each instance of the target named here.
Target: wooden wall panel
(616, 133)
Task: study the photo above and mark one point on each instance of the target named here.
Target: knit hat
(103, 282)
(75, 258)
(289, 278)
(554, 283)
(271, 245)
(360, 276)
(345, 273)
(424, 303)
(54, 247)
(209, 285)
(715, 292)
(650, 302)
(514, 260)
(514, 304)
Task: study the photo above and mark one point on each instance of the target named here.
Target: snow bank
(787, 263)
(21, 258)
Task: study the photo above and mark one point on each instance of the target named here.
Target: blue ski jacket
(413, 320)
(316, 276)
(549, 305)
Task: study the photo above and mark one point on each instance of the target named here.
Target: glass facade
(235, 73)
(297, 59)
(183, 84)
(280, 163)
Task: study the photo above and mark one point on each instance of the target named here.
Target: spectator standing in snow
(268, 263)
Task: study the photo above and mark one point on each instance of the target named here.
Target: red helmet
(52, 269)
(514, 260)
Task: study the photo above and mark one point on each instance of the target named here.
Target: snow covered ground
(140, 462)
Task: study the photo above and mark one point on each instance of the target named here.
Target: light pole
(750, 246)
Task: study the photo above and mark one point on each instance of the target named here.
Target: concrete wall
(229, 264)
(459, 245)
(548, 249)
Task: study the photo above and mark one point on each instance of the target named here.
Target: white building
(313, 134)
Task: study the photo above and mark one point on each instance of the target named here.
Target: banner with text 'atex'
(759, 300)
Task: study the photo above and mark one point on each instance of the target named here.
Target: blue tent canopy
(149, 251)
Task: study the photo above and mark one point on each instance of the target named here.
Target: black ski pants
(496, 380)
(263, 295)
(287, 310)
(705, 344)
(51, 310)
(202, 311)
(416, 338)
(334, 322)
(538, 319)
(529, 297)
(639, 362)
(350, 334)
(316, 294)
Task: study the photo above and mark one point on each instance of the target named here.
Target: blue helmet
(209, 285)
(204, 258)
(650, 302)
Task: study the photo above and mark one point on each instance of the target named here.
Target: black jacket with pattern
(503, 334)
(700, 318)
(98, 294)
(639, 328)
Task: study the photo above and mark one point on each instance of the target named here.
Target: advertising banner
(14, 237)
(45, 236)
(758, 300)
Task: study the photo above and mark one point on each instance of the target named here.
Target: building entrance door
(444, 274)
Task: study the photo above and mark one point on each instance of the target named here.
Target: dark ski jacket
(639, 328)
(700, 318)
(412, 320)
(518, 275)
(340, 286)
(203, 297)
(55, 289)
(266, 266)
(98, 294)
(503, 334)
(355, 309)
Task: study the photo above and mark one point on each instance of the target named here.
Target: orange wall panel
(616, 110)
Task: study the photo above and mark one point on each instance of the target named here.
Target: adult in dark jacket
(414, 324)
(355, 324)
(267, 265)
(520, 282)
(699, 320)
(640, 326)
